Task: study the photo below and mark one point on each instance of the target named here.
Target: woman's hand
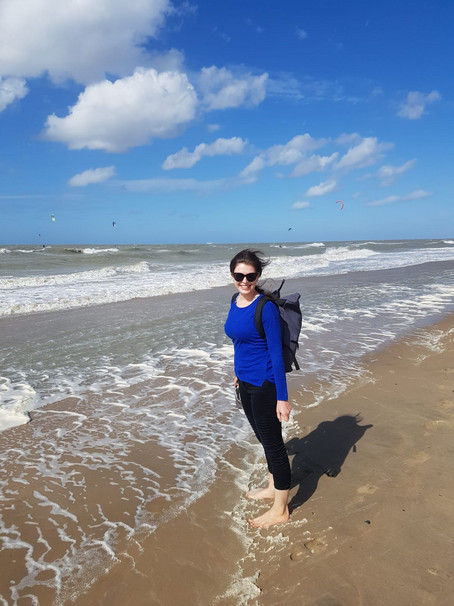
(283, 410)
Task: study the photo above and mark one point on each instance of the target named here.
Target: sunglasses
(240, 277)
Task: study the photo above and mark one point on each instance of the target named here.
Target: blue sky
(225, 121)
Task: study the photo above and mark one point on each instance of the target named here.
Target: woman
(260, 375)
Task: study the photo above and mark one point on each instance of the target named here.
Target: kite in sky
(52, 217)
(340, 202)
(114, 224)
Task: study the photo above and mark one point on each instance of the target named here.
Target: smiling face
(245, 287)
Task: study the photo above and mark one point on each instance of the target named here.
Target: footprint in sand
(439, 573)
(316, 545)
(367, 489)
(298, 554)
(363, 491)
(432, 425)
(418, 457)
(446, 405)
(313, 545)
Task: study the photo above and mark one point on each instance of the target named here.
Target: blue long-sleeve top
(255, 359)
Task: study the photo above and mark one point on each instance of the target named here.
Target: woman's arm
(271, 321)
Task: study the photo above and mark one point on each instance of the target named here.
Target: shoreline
(354, 538)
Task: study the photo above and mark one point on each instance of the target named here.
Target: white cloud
(364, 153)
(283, 155)
(10, 90)
(130, 111)
(388, 173)
(220, 147)
(321, 189)
(93, 175)
(220, 89)
(418, 194)
(301, 33)
(313, 164)
(114, 116)
(294, 150)
(414, 107)
(300, 205)
(257, 164)
(82, 40)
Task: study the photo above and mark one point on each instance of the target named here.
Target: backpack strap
(258, 315)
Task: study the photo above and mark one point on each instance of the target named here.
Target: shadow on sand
(323, 451)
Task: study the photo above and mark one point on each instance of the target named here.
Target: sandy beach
(380, 532)
(371, 506)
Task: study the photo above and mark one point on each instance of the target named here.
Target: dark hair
(250, 257)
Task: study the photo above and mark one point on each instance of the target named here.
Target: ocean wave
(363, 244)
(23, 251)
(108, 285)
(299, 246)
(311, 245)
(17, 400)
(342, 253)
(91, 251)
(73, 278)
(328, 261)
(115, 283)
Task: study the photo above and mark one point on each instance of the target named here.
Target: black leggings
(259, 404)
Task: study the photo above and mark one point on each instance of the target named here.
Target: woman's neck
(245, 300)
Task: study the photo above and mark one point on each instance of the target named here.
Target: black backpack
(291, 318)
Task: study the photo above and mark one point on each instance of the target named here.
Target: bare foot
(264, 493)
(270, 518)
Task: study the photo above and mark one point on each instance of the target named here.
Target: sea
(106, 348)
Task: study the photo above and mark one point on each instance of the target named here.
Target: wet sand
(371, 505)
